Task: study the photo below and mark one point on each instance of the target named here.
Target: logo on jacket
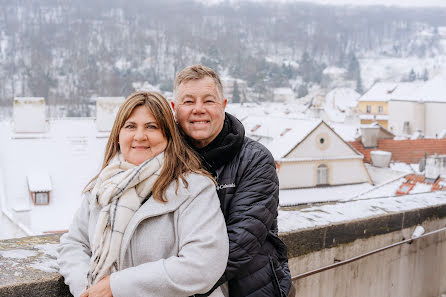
(224, 186)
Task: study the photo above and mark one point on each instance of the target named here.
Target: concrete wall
(415, 270)
(409, 270)
(301, 174)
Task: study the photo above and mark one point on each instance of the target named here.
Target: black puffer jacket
(248, 189)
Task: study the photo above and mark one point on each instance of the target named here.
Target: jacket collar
(153, 208)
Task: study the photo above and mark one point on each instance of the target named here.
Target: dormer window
(41, 198)
(39, 186)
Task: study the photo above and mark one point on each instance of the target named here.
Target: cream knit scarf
(119, 190)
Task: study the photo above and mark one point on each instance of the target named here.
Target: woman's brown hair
(179, 158)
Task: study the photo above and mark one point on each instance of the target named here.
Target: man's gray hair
(196, 72)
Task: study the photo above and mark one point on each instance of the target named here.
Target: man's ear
(173, 105)
(224, 103)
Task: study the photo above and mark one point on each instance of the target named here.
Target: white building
(283, 95)
(419, 107)
(29, 115)
(308, 153)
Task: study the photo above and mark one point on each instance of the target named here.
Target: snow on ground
(291, 220)
(391, 69)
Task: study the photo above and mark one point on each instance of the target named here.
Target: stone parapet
(28, 265)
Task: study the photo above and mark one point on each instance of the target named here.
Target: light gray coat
(177, 248)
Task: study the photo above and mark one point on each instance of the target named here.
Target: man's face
(199, 110)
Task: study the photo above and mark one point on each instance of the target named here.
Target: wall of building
(362, 106)
(435, 118)
(383, 123)
(301, 174)
(407, 151)
(405, 111)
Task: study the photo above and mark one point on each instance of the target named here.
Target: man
(248, 186)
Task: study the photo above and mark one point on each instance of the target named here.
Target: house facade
(373, 105)
(308, 153)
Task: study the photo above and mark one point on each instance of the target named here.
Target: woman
(150, 223)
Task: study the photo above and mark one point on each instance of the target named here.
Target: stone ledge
(310, 240)
(28, 265)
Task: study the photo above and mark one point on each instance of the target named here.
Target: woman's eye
(129, 126)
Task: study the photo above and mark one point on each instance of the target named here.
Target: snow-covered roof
(407, 91)
(434, 90)
(339, 102)
(381, 91)
(291, 220)
(283, 91)
(334, 70)
(278, 134)
(71, 153)
(39, 182)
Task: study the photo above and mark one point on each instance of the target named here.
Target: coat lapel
(153, 208)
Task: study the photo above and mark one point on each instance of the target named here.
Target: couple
(152, 223)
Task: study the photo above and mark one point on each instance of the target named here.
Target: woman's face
(141, 138)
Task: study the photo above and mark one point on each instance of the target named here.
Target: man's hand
(101, 289)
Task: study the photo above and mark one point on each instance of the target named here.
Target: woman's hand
(101, 289)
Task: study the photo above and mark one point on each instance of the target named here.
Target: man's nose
(198, 107)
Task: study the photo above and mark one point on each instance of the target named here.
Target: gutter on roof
(287, 160)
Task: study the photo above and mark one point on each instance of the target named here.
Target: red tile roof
(413, 179)
(407, 151)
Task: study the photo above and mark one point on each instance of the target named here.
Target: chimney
(106, 110)
(434, 166)
(369, 135)
(381, 158)
(29, 115)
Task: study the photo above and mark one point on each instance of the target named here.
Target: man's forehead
(198, 86)
(207, 80)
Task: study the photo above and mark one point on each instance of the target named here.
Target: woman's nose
(139, 134)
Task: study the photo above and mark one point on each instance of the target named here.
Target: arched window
(322, 175)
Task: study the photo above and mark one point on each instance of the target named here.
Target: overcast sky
(405, 3)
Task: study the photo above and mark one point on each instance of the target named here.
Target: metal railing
(343, 262)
